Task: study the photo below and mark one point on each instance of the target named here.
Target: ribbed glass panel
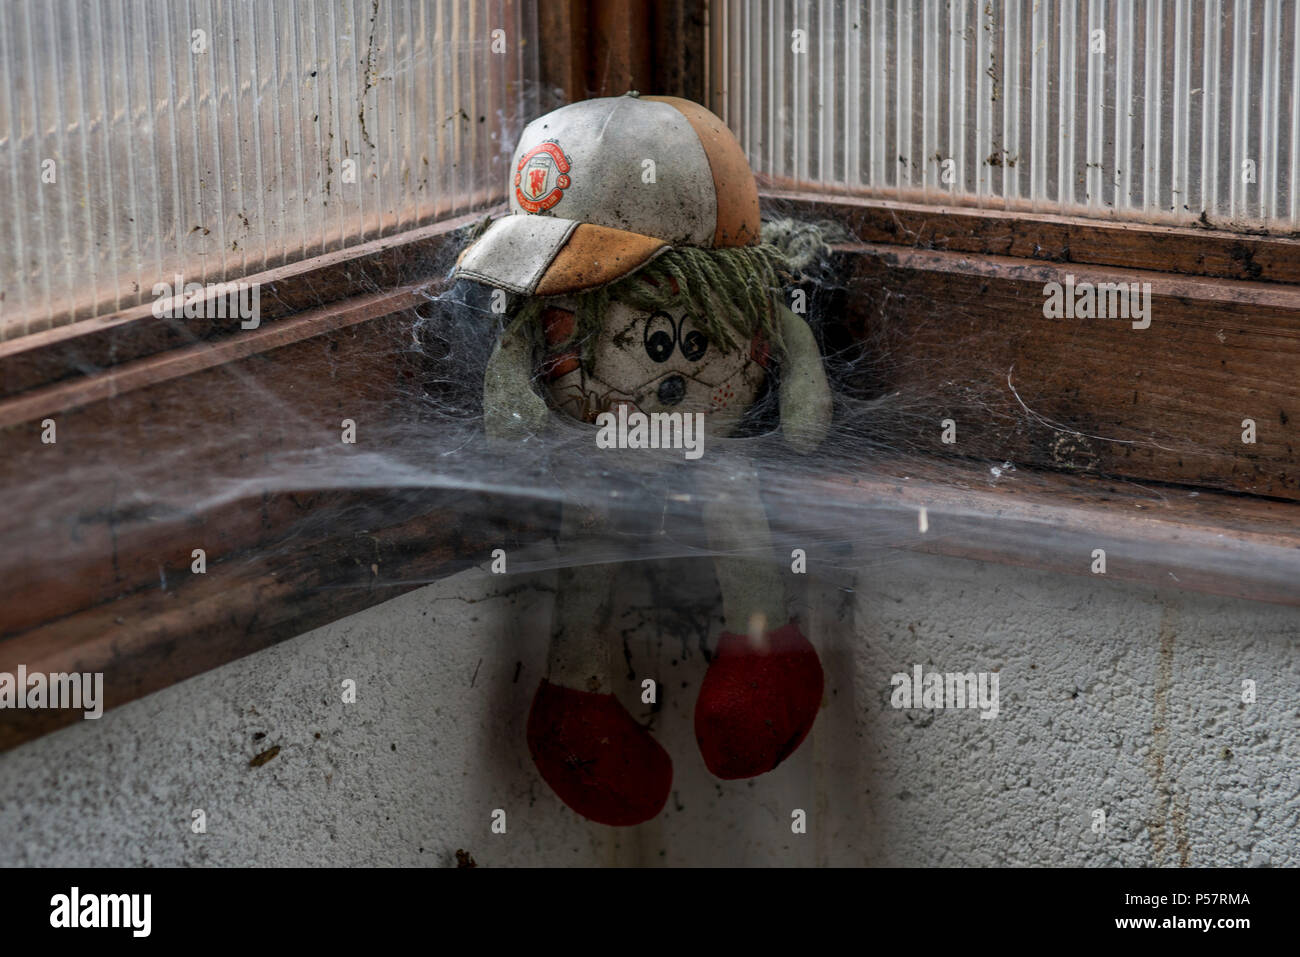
(140, 139)
(1162, 111)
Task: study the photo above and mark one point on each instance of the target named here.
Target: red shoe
(757, 705)
(596, 757)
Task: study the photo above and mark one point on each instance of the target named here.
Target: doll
(635, 244)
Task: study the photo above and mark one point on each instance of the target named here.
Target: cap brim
(548, 256)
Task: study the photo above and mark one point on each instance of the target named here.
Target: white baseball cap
(601, 187)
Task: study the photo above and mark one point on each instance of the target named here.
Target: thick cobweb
(421, 442)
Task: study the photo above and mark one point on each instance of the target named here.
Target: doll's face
(655, 362)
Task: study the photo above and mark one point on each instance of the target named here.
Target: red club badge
(541, 177)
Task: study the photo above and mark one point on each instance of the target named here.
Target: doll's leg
(753, 595)
(579, 656)
(763, 688)
(587, 747)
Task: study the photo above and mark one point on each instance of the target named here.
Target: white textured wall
(413, 770)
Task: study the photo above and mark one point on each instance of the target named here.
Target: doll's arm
(805, 396)
(511, 409)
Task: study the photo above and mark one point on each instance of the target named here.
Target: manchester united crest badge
(541, 177)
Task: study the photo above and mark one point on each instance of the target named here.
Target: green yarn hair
(728, 292)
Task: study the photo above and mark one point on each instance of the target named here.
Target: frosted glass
(280, 131)
(1173, 111)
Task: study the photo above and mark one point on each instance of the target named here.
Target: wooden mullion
(621, 51)
(679, 36)
(563, 35)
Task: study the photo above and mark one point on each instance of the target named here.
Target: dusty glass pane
(1178, 112)
(143, 141)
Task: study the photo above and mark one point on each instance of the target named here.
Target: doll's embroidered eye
(693, 342)
(660, 336)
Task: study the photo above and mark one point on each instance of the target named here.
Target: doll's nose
(672, 390)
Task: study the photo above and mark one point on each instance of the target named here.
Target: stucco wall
(1111, 697)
